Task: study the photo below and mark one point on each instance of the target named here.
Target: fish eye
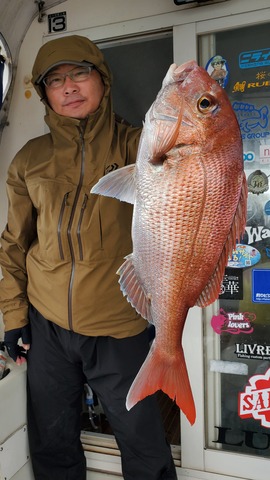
(206, 103)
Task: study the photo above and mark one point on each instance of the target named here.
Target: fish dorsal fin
(212, 289)
(133, 290)
(119, 184)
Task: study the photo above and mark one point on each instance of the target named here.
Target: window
(5, 69)
(237, 326)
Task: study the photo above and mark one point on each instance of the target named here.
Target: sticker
(255, 400)
(255, 58)
(244, 256)
(252, 351)
(257, 182)
(241, 438)
(239, 87)
(265, 154)
(267, 208)
(232, 285)
(218, 70)
(233, 322)
(261, 286)
(257, 234)
(57, 22)
(249, 157)
(261, 82)
(256, 136)
(249, 117)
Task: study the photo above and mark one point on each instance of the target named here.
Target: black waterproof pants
(59, 363)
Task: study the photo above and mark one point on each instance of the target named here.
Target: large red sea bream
(189, 193)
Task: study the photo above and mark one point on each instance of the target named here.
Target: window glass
(237, 326)
(5, 69)
(138, 66)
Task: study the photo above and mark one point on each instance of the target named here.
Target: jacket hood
(73, 49)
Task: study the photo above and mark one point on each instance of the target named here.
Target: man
(60, 251)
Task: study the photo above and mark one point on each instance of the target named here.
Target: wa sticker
(255, 400)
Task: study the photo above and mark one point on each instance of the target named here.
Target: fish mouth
(179, 73)
(173, 118)
(182, 72)
(166, 118)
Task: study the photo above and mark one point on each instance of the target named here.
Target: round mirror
(5, 69)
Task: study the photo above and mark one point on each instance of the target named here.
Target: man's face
(76, 99)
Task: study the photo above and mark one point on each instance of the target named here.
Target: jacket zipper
(59, 226)
(79, 226)
(74, 206)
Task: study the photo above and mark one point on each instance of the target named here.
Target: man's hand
(15, 351)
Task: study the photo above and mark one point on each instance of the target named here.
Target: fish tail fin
(166, 374)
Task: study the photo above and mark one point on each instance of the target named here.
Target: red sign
(255, 400)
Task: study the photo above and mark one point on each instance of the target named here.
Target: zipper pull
(84, 201)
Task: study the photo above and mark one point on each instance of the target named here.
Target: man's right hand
(18, 352)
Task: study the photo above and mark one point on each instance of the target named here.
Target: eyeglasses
(78, 74)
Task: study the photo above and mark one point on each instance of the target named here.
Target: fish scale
(189, 210)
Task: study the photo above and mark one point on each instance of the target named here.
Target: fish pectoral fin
(164, 136)
(119, 184)
(166, 373)
(212, 290)
(132, 289)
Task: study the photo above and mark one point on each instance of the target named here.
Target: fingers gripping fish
(189, 193)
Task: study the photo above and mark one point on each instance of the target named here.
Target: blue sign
(255, 58)
(267, 208)
(261, 286)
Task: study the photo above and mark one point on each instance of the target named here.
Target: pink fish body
(189, 193)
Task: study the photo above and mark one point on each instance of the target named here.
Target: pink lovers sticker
(233, 322)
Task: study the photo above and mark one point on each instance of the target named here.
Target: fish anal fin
(212, 290)
(132, 289)
(167, 374)
(118, 184)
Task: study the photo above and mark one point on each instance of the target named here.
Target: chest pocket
(78, 226)
(53, 202)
